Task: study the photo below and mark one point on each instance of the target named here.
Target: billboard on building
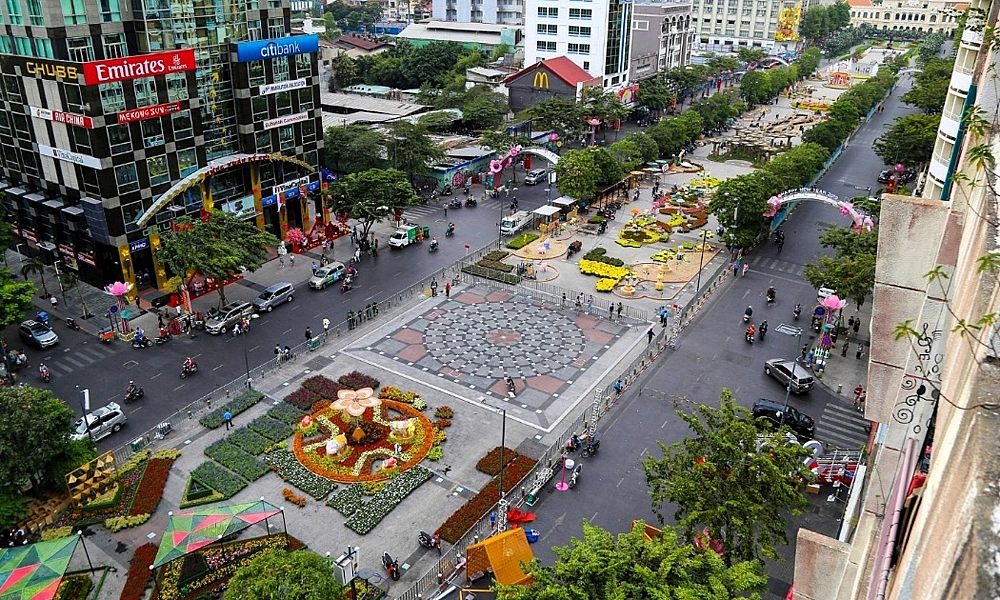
(287, 46)
(137, 67)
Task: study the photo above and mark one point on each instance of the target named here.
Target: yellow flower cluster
(592, 267)
(606, 285)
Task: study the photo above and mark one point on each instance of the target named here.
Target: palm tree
(34, 265)
(71, 280)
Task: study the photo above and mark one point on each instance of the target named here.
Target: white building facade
(726, 25)
(504, 12)
(594, 34)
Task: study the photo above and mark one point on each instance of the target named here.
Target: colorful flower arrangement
(291, 471)
(371, 514)
(292, 497)
(356, 380)
(223, 563)
(347, 501)
(139, 575)
(490, 464)
(466, 517)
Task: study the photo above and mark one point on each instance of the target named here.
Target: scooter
(141, 342)
(574, 477)
(43, 372)
(762, 331)
(592, 446)
(347, 285)
(450, 231)
(134, 394)
(72, 324)
(189, 369)
(162, 339)
(797, 311)
(747, 314)
(429, 541)
(456, 203)
(771, 296)
(391, 566)
(433, 246)
(471, 202)
(750, 336)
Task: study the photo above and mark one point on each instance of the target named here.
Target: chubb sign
(287, 46)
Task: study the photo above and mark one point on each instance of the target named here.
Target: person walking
(850, 323)
(846, 348)
(736, 268)
(326, 328)
(446, 209)
(746, 267)
(860, 352)
(291, 259)
(857, 393)
(805, 350)
(618, 387)
(861, 400)
(857, 325)
(619, 311)
(447, 290)
(277, 354)
(590, 304)
(357, 254)
(564, 300)
(228, 417)
(309, 333)
(649, 336)
(314, 267)
(323, 245)
(611, 311)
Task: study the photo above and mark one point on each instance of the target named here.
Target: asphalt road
(80, 360)
(713, 355)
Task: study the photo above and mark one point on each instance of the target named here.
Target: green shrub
(496, 266)
(249, 440)
(270, 428)
(508, 278)
(213, 476)
(245, 465)
(599, 254)
(214, 420)
(116, 524)
(522, 240)
(496, 255)
(292, 471)
(284, 411)
(382, 503)
(597, 220)
(347, 501)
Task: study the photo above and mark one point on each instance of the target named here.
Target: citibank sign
(288, 46)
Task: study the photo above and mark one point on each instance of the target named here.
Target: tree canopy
(370, 196)
(219, 246)
(34, 434)
(756, 87)
(930, 86)
(15, 297)
(281, 575)
(820, 21)
(851, 269)
(910, 140)
(720, 479)
(409, 149)
(577, 174)
(353, 148)
(562, 115)
(666, 567)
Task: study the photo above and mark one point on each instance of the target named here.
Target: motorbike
(747, 314)
(471, 202)
(134, 394)
(162, 338)
(763, 330)
(347, 285)
(574, 477)
(450, 231)
(391, 566)
(797, 311)
(456, 203)
(429, 541)
(72, 323)
(446, 189)
(189, 369)
(771, 296)
(433, 246)
(141, 342)
(750, 334)
(43, 372)
(592, 446)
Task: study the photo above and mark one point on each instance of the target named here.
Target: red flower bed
(324, 387)
(465, 518)
(303, 399)
(490, 464)
(139, 574)
(356, 380)
(147, 498)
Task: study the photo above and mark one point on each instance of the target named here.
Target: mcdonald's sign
(541, 80)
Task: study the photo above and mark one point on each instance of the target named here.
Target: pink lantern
(594, 122)
(899, 167)
(553, 136)
(846, 209)
(495, 167)
(833, 302)
(120, 290)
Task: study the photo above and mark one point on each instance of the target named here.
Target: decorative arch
(862, 221)
(777, 59)
(548, 155)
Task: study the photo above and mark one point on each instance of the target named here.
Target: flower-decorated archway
(862, 221)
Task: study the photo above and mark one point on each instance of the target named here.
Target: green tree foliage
(673, 133)
(820, 21)
(627, 153)
(654, 94)
(15, 297)
(910, 140)
(343, 72)
(576, 174)
(35, 266)
(483, 108)
(667, 567)
(845, 112)
(437, 64)
(756, 87)
(73, 455)
(34, 434)
(353, 148)
(6, 229)
(561, 115)
(685, 80)
(13, 506)
(851, 270)
(739, 202)
(719, 63)
(807, 62)
(845, 39)
(598, 104)
(281, 575)
(609, 170)
(719, 479)
(783, 77)
(931, 85)
(749, 56)
(648, 148)
(409, 149)
(370, 196)
(717, 109)
(930, 47)
(797, 166)
(350, 17)
(840, 15)
(218, 247)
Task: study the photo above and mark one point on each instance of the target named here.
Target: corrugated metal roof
(356, 103)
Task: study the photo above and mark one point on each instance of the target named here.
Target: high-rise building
(504, 12)
(119, 117)
(661, 37)
(597, 36)
(726, 25)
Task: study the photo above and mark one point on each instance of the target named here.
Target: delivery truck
(514, 223)
(409, 234)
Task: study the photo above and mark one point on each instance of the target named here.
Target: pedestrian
(850, 323)
(857, 324)
(619, 311)
(291, 259)
(314, 267)
(309, 333)
(860, 302)
(446, 209)
(228, 416)
(277, 354)
(590, 304)
(649, 336)
(618, 387)
(326, 328)
(746, 267)
(861, 400)
(736, 268)
(579, 302)
(611, 311)
(447, 290)
(781, 244)
(861, 350)
(323, 246)
(357, 255)
(846, 348)
(281, 261)
(857, 393)
(159, 321)
(564, 300)
(805, 350)
(809, 357)
(53, 301)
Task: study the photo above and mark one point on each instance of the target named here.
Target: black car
(884, 176)
(770, 413)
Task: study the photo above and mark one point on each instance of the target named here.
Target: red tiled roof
(359, 42)
(563, 68)
(860, 3)
(960, 7)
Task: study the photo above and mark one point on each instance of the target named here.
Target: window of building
(80, 49)
(21, 125)
(14, 10)
(74, 12)
(23, 46)
(280, 67)
(638, 25)
(547, 29)
(303, 65)
(145, 92)
(275, 27)
(35, 14)
(581, 13)
(577, 31)
(43, 48)
(259, 106)
(81, 139)
(110, 11)
(586, 65)
(305, 106)
(120, 139)
(114, 45)
(550, 12)
(29, 165)
(308, 131)
(758, 34)
(254, 30)
(761, 13)
(263, 139)
(112, 97)
(274, 3)
(158, 170)
(177, 86)
(6, 47)
(283, 100)
(578, 48)
(286, 137)
(152, 133)
(545, 46)
(128, 181)
(256, 70)
(183, 128)
(4, 124)
(187, 161)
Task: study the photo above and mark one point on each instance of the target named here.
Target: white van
(514, 223)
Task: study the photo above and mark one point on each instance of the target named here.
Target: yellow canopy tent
(503, 553)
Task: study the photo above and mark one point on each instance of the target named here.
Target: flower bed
(195, 494)
(599, 254)
(272, 429)
(139, 576)
(603, 270)
(249, 440)
(214, 420)
(496, 266)
(245, 465)
(490, 464)
(605, 285)
(150, 491)
(303, 399)
(496, 255)
(74, 587)
(466, 517)
(324, 387)
(291, 471)
(347, 501)
(397, 395)
(476, 270)
(398, 488)
(356, 380)
(222, 563)
(292, 497)
(522, 240)
(285, 413)
(211, 475)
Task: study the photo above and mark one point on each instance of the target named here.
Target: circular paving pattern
(490, 339)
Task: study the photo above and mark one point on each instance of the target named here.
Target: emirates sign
(148, 112)
(137, 67)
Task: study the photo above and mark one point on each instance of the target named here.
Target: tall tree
(33, 265)
(756, 88)
(219, 246)
(749, 56)
(851, 270)
(343, 72)
(281, 575)
(910, 140)
(740, 201)
(561, 115)
(627, 153)
(353, 148)
(647, 146)
(409, 149)
(839, 14)
(718, 64)
(484, 108)
(721, 479)
(609, 170)
(15, 298)
(931, 86)
(654, 94)
(685, 80)
(814, 24)
(603, 567)
(34, 433)
(576, 174)
(370, 196)
(70, 281)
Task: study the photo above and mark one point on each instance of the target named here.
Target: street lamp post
(62, 290)
(20, 258)
(796, 331)
(701, 262)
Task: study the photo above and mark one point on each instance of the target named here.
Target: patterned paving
(477, 337)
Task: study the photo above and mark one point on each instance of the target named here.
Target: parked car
(327, 275)
(273, 296)
(535, 176)
(227, 316)
(884, 176)
(790, 374)
(774, 414)
(37, 334)
(101, 423)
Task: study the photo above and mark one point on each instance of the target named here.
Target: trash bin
(136, 444)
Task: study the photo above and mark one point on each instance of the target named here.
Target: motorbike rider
(451, 228)
(434, 243)
(751, 331)
(131, 389)
(43, 370)
(797, 310)
(771, 293)
(188, 364)
(748, 312)
(763, 328)
(351, 271)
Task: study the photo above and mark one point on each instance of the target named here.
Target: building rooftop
(860, 3)
(345, 109)
(563, 68)
(443, 31)
(354, 41)
(377, 90)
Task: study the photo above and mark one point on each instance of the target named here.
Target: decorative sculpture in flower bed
(355, 438)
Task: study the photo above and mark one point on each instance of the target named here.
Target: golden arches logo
(541, 80)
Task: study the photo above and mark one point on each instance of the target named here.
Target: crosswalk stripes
(842, 426)
(79, 358)
(415, 213)
(773, 264)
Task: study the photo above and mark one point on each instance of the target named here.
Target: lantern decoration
(120, 291)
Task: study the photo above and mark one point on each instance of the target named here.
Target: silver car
(535, 176)
(273, 296)
(227, 316)
(101, 423)
(790, 373)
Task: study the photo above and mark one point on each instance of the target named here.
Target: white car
(99, 424)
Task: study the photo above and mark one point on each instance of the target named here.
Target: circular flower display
(354, 402)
